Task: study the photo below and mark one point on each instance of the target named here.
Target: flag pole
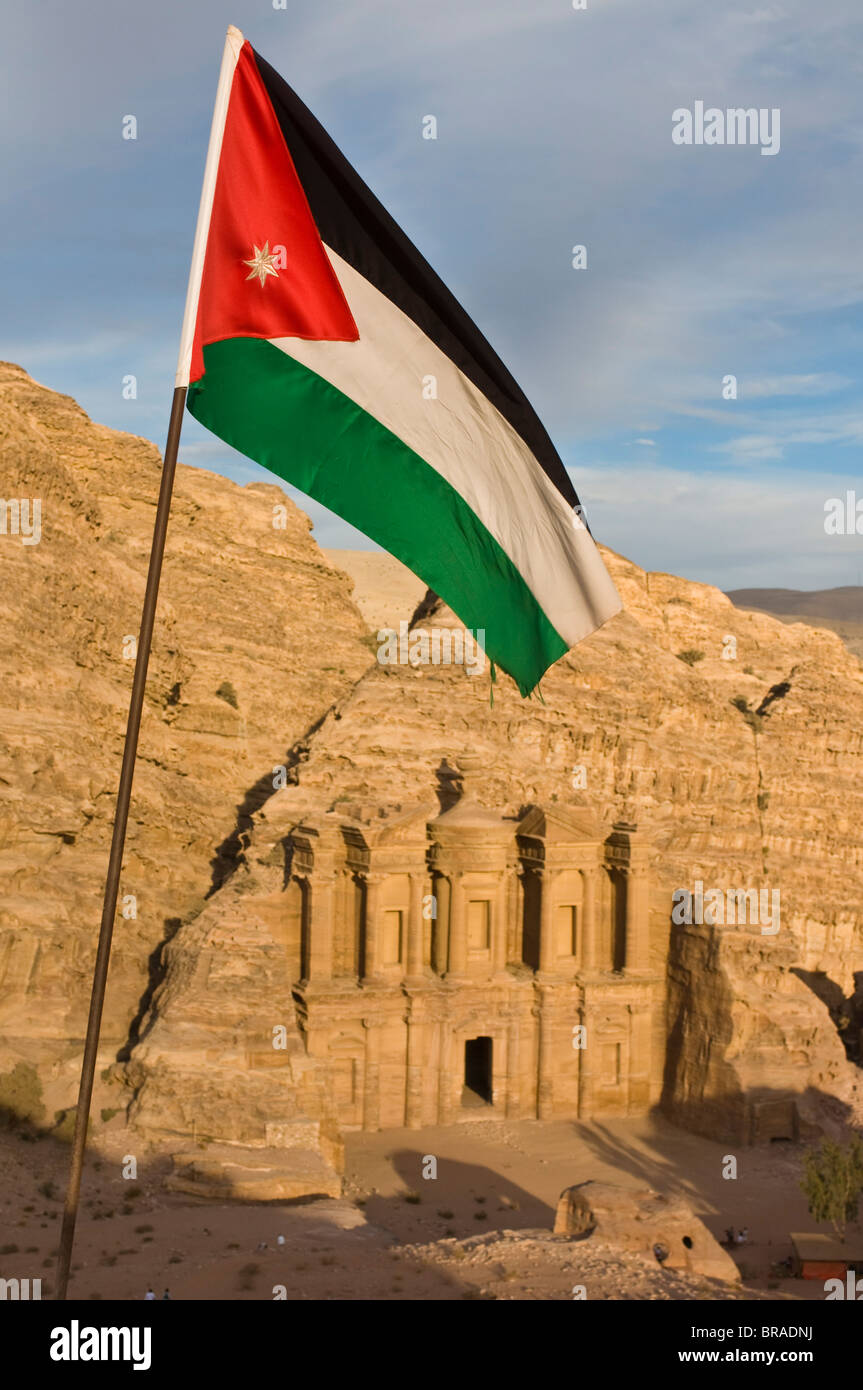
(233, 44)
(118, 839)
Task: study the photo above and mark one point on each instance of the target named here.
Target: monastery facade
(465, 963)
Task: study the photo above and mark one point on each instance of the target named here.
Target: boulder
(636, 1220)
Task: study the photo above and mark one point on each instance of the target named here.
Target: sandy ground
(528, 1164)
(479, 1229)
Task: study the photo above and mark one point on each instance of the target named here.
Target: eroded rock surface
(643, 1221)
(733, 740)
(256, 637)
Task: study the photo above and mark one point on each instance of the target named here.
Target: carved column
(446, 1079)
(371, 928)
(322, 888)
(340, 921)
(588, 929)
(372, 1087)
(514, 913)
(414, 968)
(513, 1073)
(413, 1074)
(547, 951)
(440, 933)
(585, 1067)
(500, 926)
(457, 927)
(636, 927)
(603, 935)
(545, 1070)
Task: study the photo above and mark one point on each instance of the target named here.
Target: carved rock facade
(470, 963)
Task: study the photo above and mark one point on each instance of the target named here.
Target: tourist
(165, 1295)
(730, 1237)
(149, 1296)
(661, 1253)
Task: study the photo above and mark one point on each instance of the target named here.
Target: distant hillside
(840, 610)
(845, 603)
(385, 590)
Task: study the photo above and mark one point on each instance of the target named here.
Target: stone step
(253, 1175)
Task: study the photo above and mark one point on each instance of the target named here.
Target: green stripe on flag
(286, 417)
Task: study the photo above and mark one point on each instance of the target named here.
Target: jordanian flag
(319, 342)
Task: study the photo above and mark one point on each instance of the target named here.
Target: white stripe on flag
(464, 438)
(230, 54)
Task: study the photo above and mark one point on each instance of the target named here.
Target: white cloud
(48, 351)
(812, 384)
(728, 529)
(555, 128)
(747, 448)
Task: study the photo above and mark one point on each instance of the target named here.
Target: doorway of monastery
(477, 1072)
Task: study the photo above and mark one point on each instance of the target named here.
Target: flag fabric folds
(319, 342)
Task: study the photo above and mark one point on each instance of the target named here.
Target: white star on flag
(263, 263)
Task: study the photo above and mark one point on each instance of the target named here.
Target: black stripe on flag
(358, 228)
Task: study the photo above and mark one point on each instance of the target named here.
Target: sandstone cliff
(256, 637)
(741, 760)
(733, 739)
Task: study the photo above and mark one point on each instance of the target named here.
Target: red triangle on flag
(266, 272)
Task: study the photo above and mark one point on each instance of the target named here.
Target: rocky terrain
(379, 1241)
(256, 638)
(733, 739)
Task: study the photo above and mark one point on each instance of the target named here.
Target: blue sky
(554, 129)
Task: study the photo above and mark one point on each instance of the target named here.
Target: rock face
(256, 637)
(640, 1220)
(246, 1174)
(222, 1061)
(720, 755)
(732, 740)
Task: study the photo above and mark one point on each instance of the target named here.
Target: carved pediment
(560, 825)
(406, 827)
